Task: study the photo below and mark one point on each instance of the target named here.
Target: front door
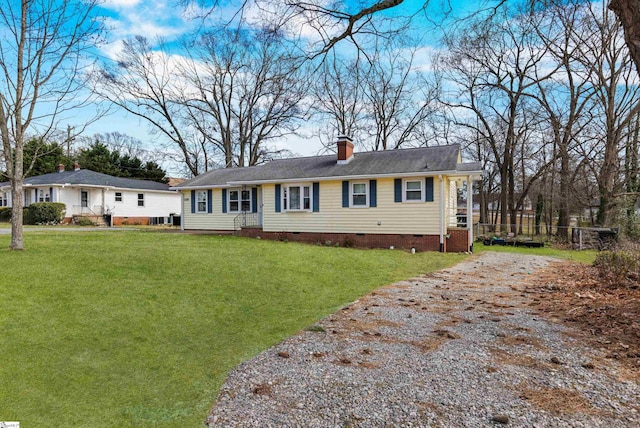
(84, 199)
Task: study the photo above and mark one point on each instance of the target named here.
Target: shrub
(44, 213)
(83, 221)
(348, 243)
(5, 214)
(27, 216)
(621, 266)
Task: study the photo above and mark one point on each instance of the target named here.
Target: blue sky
(160, 18)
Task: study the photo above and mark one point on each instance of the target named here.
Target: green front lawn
(141, 328)
(584, 256)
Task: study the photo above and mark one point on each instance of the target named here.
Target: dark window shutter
(397, 190)
(345, 194)
(209, 201)
(428, 189)
(193, 201)
(373, 190)
(224, 201)
(278, 198)
(316, 197)
(51, 194)
(254, 200)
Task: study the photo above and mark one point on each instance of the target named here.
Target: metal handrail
(246, 219)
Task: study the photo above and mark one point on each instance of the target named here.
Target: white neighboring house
(92, 194)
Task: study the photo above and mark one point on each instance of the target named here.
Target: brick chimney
(76, 166)
(345, 150)
(60, 168)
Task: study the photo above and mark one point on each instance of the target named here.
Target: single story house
(402, 198)
(95, 195)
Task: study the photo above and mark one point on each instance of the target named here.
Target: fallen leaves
(607, 316)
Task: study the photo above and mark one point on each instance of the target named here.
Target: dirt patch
(557, 401)
(605, 315)
(500, 356)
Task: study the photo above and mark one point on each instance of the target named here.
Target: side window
(141, 199)
(201, 201)
(118, 196)
(413, 190)
(359, 195)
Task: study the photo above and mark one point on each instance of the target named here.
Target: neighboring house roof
(424, 160)
(174, 181)
(86, 177)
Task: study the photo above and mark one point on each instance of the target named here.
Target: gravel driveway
(460, 347)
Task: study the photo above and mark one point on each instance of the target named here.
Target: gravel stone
(473, 349)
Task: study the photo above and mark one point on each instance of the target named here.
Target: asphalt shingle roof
(424, 160)
(91, 178)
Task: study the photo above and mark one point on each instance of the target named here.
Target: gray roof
(423, 160)
(86, 177)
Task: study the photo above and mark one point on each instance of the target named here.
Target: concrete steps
(98, 220)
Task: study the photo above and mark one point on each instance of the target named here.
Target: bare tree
(493, 65)
(41, 78)
(145, 82)
(398, 97)
(565, 96)
(616, 100)
(220, 105)
(338, 100)
(248, 90)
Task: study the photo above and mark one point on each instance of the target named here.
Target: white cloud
(119, 4)
(150, 18)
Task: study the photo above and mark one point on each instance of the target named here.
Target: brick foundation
(456, 243)
(137, 221)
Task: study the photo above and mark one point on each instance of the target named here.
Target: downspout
(442, 212)
(470, 211)
(182, 210)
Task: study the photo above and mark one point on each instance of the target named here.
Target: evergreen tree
(97, 157)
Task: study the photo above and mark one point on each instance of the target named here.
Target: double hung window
(43, 196)
(359, 194)
(297, 198)
(239, 200)
(201, 201)
(413, 191)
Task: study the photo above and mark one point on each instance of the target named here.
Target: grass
(584, 256)
(140, 328)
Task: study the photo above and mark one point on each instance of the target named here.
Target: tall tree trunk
(633, 182)
(628, 12)
(606, 181)
(563, 204)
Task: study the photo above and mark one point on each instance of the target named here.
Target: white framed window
(118, 196)
(141, 199)
(413, 191)
(4, 199)
(201, 201)
(43, 196)
(239, 200)
(359, 197)
(296, 197)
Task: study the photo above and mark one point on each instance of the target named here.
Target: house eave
(476, 175)
(98, 186)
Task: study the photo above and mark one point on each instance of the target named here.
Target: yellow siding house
(397, 198)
